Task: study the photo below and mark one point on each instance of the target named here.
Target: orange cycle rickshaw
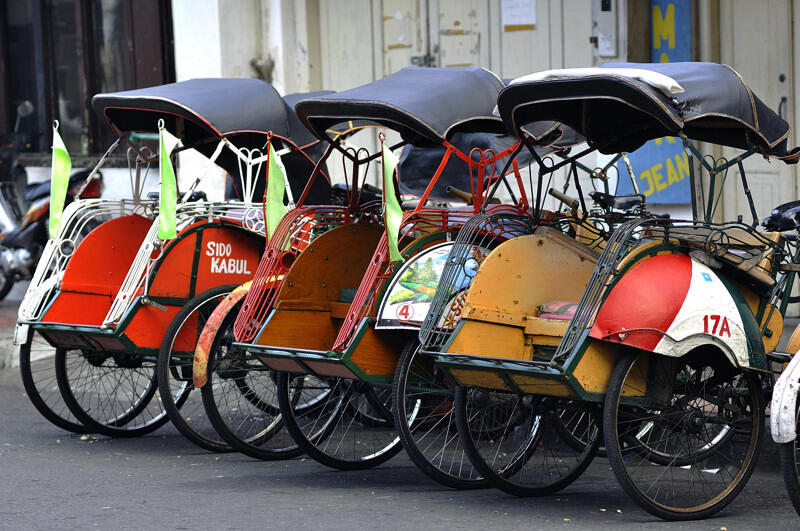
(321, 321)
(107, 288)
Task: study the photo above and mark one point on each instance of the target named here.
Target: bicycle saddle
(783, 217)
(617, 202)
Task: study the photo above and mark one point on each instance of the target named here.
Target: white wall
(198, 47)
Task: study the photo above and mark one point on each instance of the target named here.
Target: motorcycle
(25, 208)
(22, 246)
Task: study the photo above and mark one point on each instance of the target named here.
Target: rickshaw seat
(547, 332)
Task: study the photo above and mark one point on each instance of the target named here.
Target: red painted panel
(102, 259)
(78, 309)
(226, 257)
(648, 296)
(146, 329)
(174, 275)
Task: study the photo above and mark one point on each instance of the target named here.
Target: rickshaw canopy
(211, 108)
(425, 105)
(202, 111)
(620, 106)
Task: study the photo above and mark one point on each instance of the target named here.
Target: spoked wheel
(423, 402)
(682, 435)
(37, 365)
(175, 359)
(790, 465)
(111, 394)
(523, 444)
(240, 398)
(337, 421)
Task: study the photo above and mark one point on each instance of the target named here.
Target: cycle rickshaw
(108, 290)
(667, 331)
(320, 322)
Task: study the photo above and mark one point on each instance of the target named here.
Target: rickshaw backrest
(523, 273)
(101, 260)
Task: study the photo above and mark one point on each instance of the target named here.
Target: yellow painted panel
(378, 351)
(636, 383)
(537, 385)
(525, 272)
(489, 340)
(545, 327)
(490, 315)
(776, 326)
(594, 369)
(794, 342)
(775, 320)
(485, 379)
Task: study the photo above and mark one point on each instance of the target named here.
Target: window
(59, 53)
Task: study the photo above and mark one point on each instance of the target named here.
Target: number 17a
(719, 325)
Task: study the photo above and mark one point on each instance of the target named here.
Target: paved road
(52, 479)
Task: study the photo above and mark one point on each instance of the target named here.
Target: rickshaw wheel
(790, 465)
(111, 394)
(696, 398)
(240, 398)
(37, 365)
(423, 412)
(330, 425)
(184, 408)
(518, 442)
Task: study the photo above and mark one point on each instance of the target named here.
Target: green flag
(59, 181)
(276, 189)
(167, 224)
(392, 213)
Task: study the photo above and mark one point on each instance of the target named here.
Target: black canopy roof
(202, 111)
(425, 105)
(619, 113)
(210, 107)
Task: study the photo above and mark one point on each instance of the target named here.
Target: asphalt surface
(50, 479)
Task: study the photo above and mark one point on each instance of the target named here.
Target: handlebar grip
(461, 194)
(568, 200)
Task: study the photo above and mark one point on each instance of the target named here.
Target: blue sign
(661, 166)
(672, 31)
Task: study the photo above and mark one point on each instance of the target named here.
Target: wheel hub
(694, 422)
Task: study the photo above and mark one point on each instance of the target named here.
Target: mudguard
(783, 418)
(213, 323)
(670, 304)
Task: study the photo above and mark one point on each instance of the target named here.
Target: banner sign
(661, 166)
